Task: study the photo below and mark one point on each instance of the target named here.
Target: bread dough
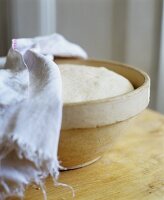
(85, 83)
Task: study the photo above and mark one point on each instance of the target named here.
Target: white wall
(143, 38)
(25, 18)
(124, 30)
(3, 27)
(160, 90)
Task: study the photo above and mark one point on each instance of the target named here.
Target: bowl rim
(107, 99)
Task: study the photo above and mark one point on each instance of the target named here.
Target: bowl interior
(97, 113)
(135, 76)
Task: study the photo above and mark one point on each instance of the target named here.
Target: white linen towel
(31, 112)
(52, 45)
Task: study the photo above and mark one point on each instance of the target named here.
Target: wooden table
(132, 169)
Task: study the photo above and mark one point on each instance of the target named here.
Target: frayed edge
(51, 166)
(20, 189)
(61, 168)
(43, 189)
(5, 186)
(39, 181)
(17, 192)
(65, 185)
(44, 165)
(56, 183)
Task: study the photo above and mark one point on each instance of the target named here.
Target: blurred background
(128, 31)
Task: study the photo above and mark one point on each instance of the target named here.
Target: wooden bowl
(89, 128)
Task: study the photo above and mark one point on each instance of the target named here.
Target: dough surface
(86, 83)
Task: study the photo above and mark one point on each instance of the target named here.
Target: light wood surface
(133, 169)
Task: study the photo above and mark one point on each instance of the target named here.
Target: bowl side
(97, 113)
(81, 147)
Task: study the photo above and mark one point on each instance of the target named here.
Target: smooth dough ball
(85, 83)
